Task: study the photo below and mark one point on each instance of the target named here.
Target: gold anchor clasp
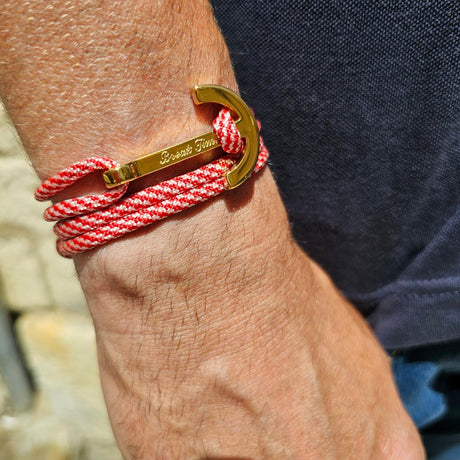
(245, 122)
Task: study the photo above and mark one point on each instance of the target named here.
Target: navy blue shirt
(360, 107)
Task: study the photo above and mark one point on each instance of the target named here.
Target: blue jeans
(428, 380)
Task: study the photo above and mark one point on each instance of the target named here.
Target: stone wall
(51, 405)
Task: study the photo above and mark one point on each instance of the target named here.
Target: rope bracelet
(92, 220)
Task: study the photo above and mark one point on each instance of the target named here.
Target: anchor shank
(159, 160)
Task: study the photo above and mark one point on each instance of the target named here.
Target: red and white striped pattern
(92, 220)
(225, 130)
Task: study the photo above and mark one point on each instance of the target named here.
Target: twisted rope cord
(93, 220)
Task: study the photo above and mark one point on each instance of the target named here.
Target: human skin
(217, 336)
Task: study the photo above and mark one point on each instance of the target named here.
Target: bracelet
(92, 220)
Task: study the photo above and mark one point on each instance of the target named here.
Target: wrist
(234, 243)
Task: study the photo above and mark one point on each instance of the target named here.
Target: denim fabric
(452, 453)
(428, 379)
(414, 383)
(360, 107)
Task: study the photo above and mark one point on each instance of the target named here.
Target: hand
(222, 339)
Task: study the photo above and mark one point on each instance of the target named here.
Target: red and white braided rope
(92, 220)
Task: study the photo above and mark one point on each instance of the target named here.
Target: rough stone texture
(33, 438)
(4, 399)
(32, 275)
(9, 144)
(59, 348)
(23, 284)
(68, 419)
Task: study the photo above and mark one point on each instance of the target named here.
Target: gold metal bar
(245, 122)
(158, 160)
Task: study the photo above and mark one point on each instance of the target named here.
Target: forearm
(87, 77)
(216, 334)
